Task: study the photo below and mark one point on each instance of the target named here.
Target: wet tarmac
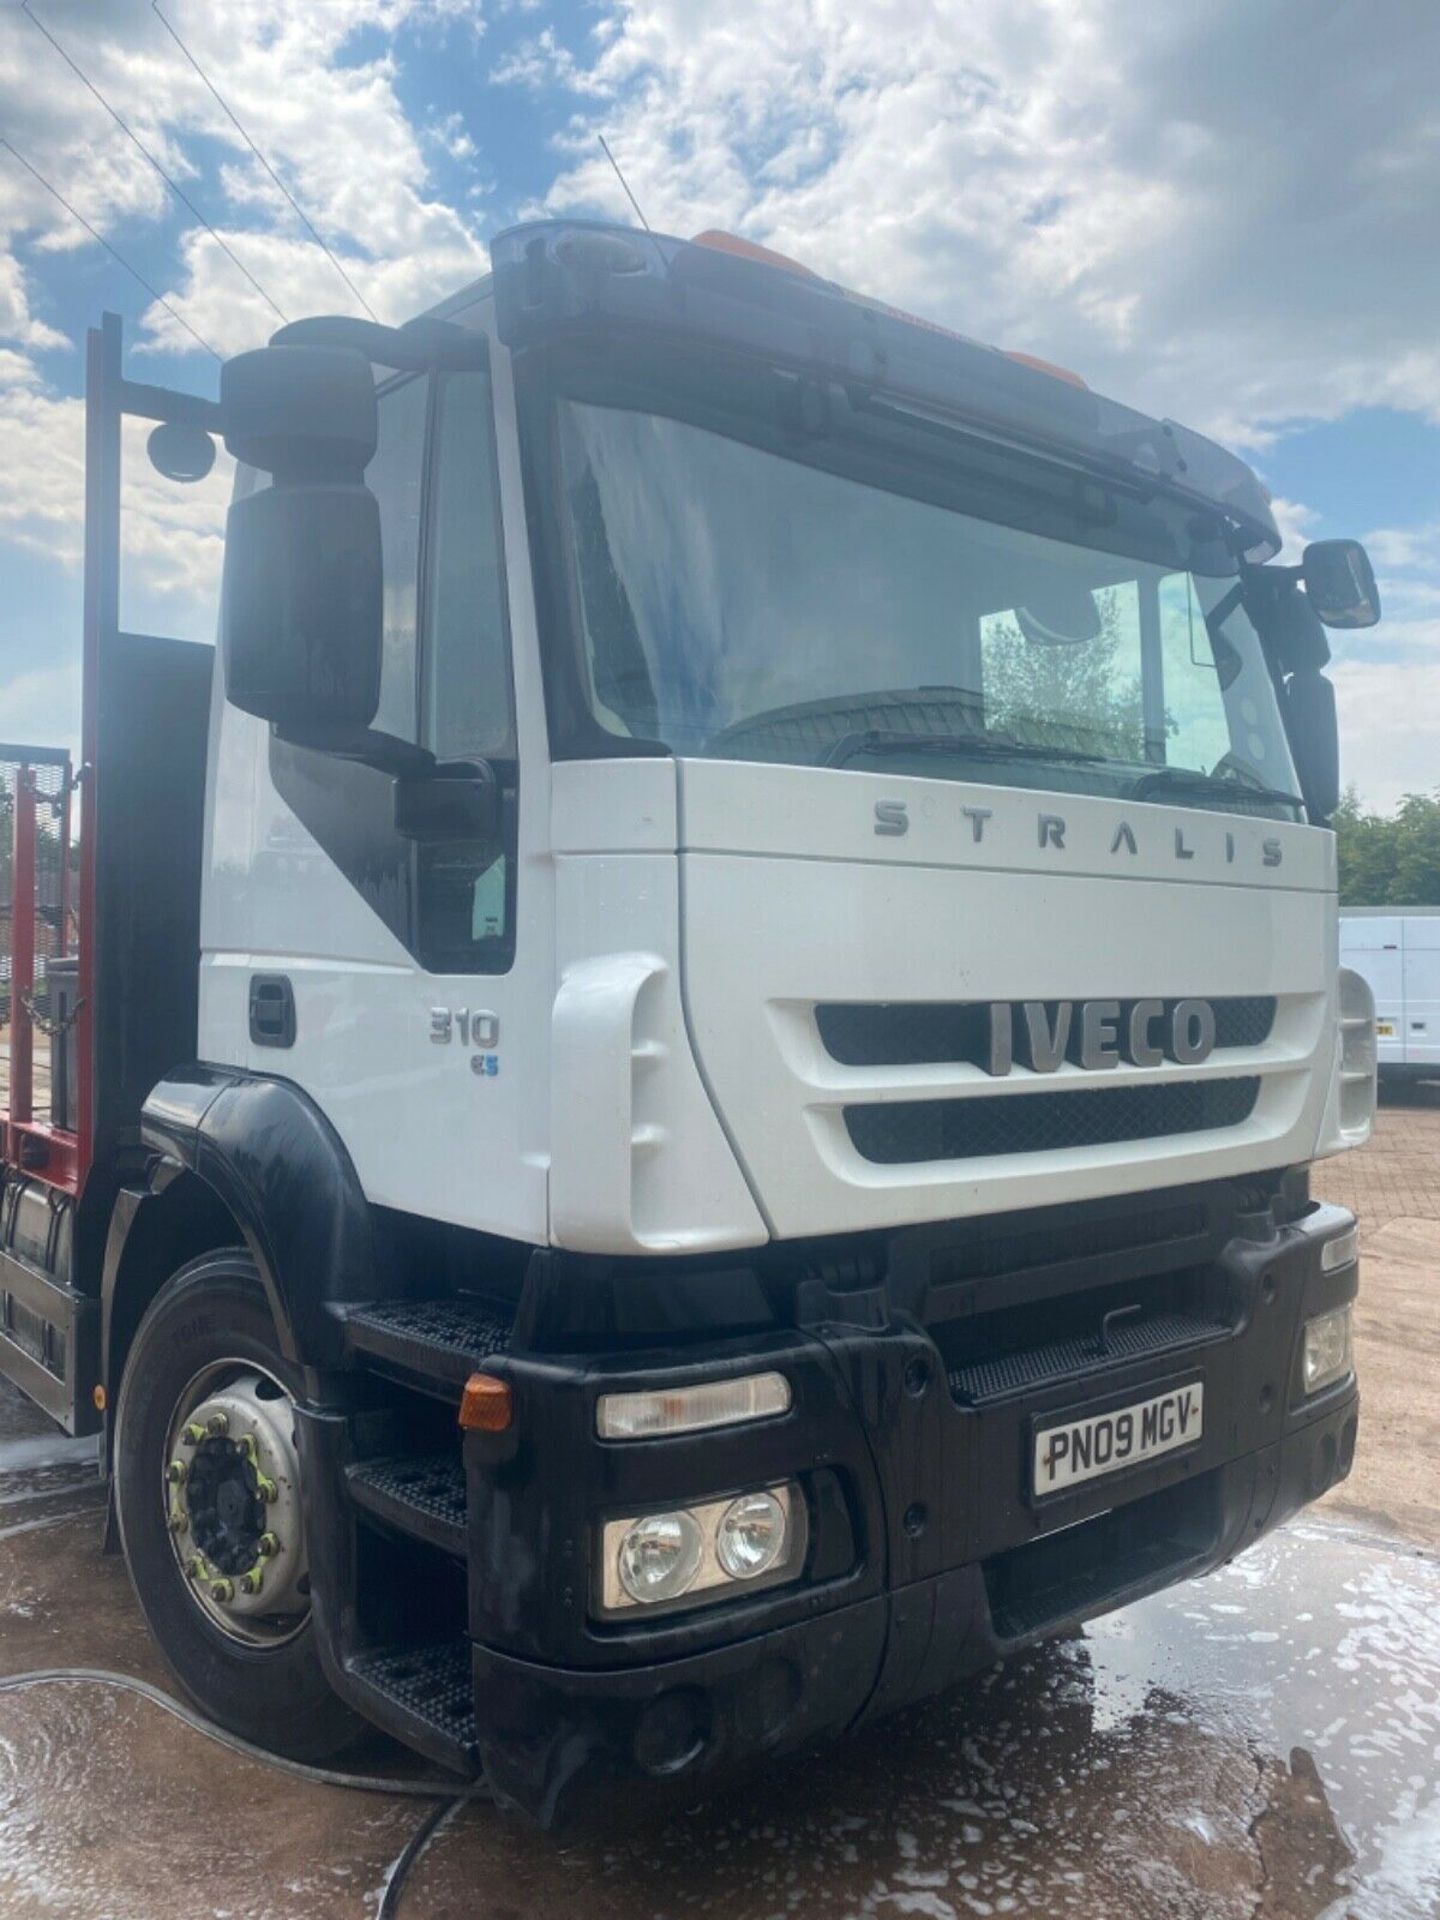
(1264, 1744)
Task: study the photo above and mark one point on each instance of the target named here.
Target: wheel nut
(266, 1488)
(217, 1424)
(194, 1566)
(193, 1435)
(175, 1473)
(252, 1581)
(179, 1520)
(267, 1545)
(222, 1590)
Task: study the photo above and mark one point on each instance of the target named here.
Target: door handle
(272, 1010)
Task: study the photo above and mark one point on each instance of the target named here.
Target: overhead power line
(114, 252)
(230, 116)
(178, 191)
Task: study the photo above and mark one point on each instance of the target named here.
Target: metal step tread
(982, 1380)
(1088, 1589)
(421, 1493)
(446, 1338)
(430, 1683)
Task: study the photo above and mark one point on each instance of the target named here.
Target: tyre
(207, 1490)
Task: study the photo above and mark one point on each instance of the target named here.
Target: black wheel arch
(240, 1158)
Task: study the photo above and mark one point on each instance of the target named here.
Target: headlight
(660, 1556)
(1329, 1349)
(751, 1536)
(676, 1559)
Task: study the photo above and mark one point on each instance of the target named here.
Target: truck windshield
(738, 602)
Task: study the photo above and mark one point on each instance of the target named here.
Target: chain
(52, 1029)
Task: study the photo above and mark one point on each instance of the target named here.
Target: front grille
(926, 1033)
(914, 1130)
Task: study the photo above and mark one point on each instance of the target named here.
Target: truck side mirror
(301, 597)
(1314, 734)
(1340, 583)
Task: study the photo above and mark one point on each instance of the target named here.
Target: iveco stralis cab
(706, 1129)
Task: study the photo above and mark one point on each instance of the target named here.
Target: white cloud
(334, 128)
(449, 134)
(1405, 547)
(1387, 725)
(1296, 522)
(1197, 206)
(1223, 213)
(42, 705)
(171, 535)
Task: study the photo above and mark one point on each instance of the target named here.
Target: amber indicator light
(487, 1405)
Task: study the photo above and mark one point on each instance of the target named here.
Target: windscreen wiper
(956, 746)
(1188, 780)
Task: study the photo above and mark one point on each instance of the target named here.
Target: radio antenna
(640, 214)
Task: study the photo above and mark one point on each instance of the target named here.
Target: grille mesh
(980, 1380)
(915, 1130)
(924, 1033)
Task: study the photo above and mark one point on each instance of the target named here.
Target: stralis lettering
(892, 819)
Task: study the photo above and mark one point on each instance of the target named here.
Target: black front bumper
(929, 1558)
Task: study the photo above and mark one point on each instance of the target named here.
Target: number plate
(1075, 1448)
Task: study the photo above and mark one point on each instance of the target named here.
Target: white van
(1398, 952)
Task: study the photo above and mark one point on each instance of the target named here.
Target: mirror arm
(420, 346)
(457, 800)
(386, 752)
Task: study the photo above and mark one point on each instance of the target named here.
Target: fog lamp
(660, 1556)
(751, 1536)
(1329, 1349)
(1342, 1251)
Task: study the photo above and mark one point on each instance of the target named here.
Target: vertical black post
(103, 409)
(1152, 671)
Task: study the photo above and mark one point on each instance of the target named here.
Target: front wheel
(208, 1493)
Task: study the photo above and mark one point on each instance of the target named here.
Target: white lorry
(694, 1120)
(1396, 950)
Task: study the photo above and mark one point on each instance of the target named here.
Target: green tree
(1417, 862)
(1085, 696)
(1389, 860)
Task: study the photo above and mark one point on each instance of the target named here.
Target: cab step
(420, 1494)
(438, 1343)
(424, 1693)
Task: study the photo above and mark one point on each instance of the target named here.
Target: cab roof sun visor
(560, 279)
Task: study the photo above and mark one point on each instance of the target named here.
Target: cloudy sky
(1227, 212)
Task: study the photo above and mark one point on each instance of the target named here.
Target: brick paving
(1396, 1177)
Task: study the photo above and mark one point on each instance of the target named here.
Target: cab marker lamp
(658, 1411)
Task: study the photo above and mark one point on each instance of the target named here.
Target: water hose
(451, 1794)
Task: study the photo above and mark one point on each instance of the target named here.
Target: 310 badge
(481, 1029)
